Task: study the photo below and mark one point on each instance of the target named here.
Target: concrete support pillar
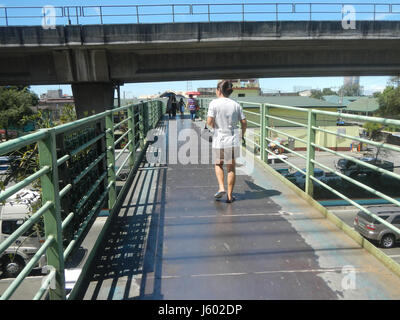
(92, 97)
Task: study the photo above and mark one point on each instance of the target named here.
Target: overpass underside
(172, 240)
(122, 53)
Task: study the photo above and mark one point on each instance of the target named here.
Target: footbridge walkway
(166, 237)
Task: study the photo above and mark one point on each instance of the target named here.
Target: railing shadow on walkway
(133, 245)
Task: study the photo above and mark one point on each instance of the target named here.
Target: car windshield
(9, 226)
(298, 174)
(342, 163)
(318, 173)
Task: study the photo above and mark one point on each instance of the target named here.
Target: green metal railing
(265, 135)
(78, 173)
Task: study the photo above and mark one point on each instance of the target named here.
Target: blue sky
(253, 7)
(370, 84)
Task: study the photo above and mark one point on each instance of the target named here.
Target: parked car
(373, 230)
(351, 168)
(300, 178)
(13, 214)
(5, 162)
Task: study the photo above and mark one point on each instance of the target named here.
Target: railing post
(152, 116)
(6, 15)
(263, 154)
(141, 125)
(266, 129)
(160, 109)
(131, 134)
(101, 14)
(312, 120)
(112, 193)
(52, 218)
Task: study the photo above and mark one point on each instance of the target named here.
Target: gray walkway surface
(172, 240)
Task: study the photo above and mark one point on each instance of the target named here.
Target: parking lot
(328, 159)
(32, 283)
(347, 214)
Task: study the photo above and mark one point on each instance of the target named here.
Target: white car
(13, 214)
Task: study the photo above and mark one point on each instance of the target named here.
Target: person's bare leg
(219, 172)
(231, 168)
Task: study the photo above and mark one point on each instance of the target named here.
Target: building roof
(364, 104)
(345, 101)
(291, 101)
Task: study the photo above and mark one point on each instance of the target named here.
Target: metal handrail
(209, 11)
(50, 163)
(311, 144)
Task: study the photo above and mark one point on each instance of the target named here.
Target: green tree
(373, 129)
(26, 160)
(318, 94)
(328, 92)
(68, 113)
(389, 102)
(394, 81)
(15, 103)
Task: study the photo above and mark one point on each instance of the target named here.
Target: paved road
(348, 215)
(31, 285)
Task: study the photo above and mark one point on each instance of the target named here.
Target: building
(351, 81)
(207, 92)
(294, 115)
(52, 94)
(53, 101)
(327, 122)
(364, 106)
(343, 101)
(305, 93)
(245, 88)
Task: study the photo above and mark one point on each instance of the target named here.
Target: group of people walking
(173, 107)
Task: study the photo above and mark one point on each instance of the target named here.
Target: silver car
(372, 229)
(13, 214)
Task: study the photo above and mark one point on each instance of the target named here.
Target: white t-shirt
(227, 114)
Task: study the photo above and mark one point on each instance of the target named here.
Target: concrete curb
(376, 252)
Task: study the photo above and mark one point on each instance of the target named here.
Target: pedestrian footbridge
(167, 238)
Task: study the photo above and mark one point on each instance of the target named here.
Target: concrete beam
(184, 51)
(92, 97)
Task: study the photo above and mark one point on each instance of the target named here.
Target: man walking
(223, 116)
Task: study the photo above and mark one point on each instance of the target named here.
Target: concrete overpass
(93, 58)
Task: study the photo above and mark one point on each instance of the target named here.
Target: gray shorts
(225, 155)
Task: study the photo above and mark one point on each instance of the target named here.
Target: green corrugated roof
(364, 104)
(336, 99)
(291, 101)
